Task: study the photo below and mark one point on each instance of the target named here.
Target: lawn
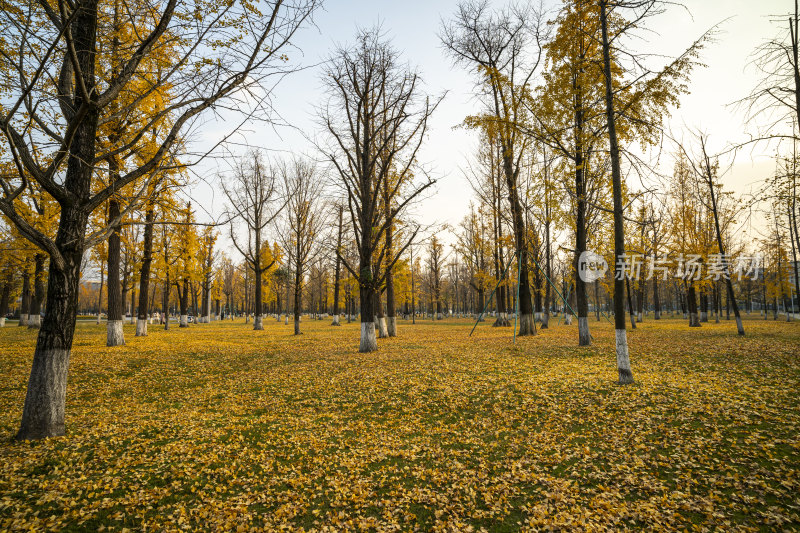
(220, 427)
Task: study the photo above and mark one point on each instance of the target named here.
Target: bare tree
(376, 120)
(338, 268)
(505, 49)
(252, 188)
(705, 173)
(305, 220)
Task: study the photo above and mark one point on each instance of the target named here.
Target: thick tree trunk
(367, 301)
(691, 300)
(43, 414)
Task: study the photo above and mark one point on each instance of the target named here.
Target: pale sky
(413, 27)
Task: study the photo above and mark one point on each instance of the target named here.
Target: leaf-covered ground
(220, 427)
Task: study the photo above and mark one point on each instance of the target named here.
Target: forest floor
(220, 427)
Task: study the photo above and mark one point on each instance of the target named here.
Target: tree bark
(183, 297)
(367, 301)
(25, 297)
(623, 357)
(115, 335)
(144, 276)
(37, 297)
(337, 270)
(5, 297)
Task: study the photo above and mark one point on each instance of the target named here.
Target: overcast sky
(413, 27)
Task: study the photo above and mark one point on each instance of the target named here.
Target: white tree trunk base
(623, 358)
(336, 321)
(368, 341)
(115, 335)
(382, 331)
(2, 321)
(739, 326)
(141, 327)
(23, 320)
(258, 323)
(46, 396)
(391, 326)
(34, 321)
(526, 325)
(568, 319)
(584, 337)
(694, 322)
(184, 321)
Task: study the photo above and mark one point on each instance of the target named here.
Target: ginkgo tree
(220, 49)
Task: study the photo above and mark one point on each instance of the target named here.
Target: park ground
(217, 427)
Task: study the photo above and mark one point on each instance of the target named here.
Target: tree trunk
(298, 283)
(584, 337)
(114, 332)
(5, 297)
(691, 300)
(391, 312)
(367, 302)
(144, 275)
(257, 304)
(25, 298)
(337, 270)
(656, 300)
(623, 357)
(380, 317)
(37, 297)
(100, 294)
(703, 306)
(43, 414)
(183, 297)
(631, 309)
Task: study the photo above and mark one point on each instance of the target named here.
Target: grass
(220, 427)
